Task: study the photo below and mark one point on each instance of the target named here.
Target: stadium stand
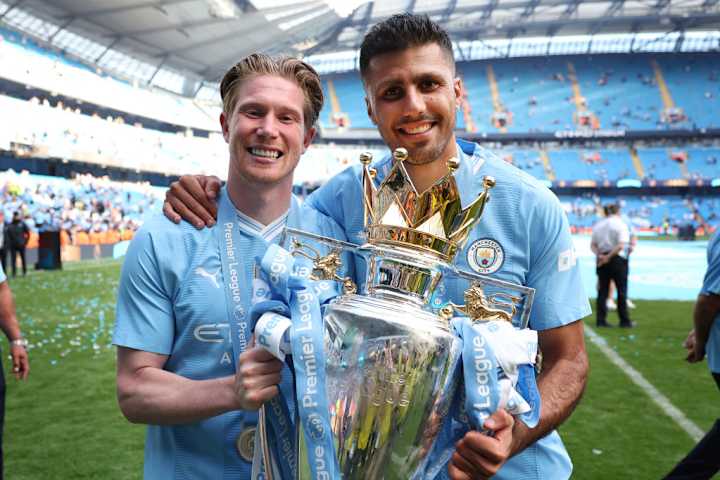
(26, 62)
(67, 110)
(543, 94)
(649, 214)
(87, 210)
(52, 130)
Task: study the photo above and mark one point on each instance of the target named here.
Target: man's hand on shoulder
(480, 456)
(193, 198)
(257, 378)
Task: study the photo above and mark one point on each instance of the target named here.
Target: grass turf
(63, 423)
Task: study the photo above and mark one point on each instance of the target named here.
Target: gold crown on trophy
(433, 221)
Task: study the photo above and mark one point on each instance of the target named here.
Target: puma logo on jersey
(211, 276)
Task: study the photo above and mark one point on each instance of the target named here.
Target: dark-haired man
(412, 93)
(186, 364)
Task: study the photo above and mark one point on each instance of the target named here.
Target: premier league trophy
(391, 357)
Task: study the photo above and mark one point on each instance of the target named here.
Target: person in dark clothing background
(18, 235)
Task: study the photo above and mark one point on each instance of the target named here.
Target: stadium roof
(195, 40)
(492, 19)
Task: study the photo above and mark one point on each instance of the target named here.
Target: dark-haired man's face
(412, 96)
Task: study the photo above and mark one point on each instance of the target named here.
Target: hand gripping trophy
(376, 372)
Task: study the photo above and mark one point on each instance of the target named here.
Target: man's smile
(416, 128)
(265, 152)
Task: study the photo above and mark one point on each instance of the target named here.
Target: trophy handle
(482, 308)
(325, 267)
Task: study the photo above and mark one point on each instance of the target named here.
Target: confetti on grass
(65, 313)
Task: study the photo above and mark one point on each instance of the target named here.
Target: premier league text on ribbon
(283, 434)
(234, 285)
(310, 391)
(482, 377)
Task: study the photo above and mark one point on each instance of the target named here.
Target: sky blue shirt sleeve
(711, 282)
(554, 273)
(3, 277)
(341, 200)
(144, 312)
(711, 285)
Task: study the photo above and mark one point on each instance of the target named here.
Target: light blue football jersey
(3, 277)
(523, 237)
(172, 301)
(711, 285)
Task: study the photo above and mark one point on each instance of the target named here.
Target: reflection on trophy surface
(392, 360)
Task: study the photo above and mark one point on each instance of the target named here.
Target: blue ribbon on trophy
(298, 298)
(487, 385)
(498, 370)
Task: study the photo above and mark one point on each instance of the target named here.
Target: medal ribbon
(237, 293)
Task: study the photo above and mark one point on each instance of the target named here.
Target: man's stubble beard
(426, 154)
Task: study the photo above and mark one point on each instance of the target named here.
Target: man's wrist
(519, 438)
(19, 342)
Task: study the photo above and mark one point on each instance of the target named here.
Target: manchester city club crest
(485, 256)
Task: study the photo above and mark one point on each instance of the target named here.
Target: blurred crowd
(86, 209)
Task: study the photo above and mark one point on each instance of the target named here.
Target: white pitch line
(661, 400)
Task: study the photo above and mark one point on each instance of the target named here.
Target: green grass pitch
(64, 423)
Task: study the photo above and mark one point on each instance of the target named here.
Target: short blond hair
(286, 67)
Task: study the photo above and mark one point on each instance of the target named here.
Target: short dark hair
(401, 31)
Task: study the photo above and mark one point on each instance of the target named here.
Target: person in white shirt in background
(611, 305)
(609, 241)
